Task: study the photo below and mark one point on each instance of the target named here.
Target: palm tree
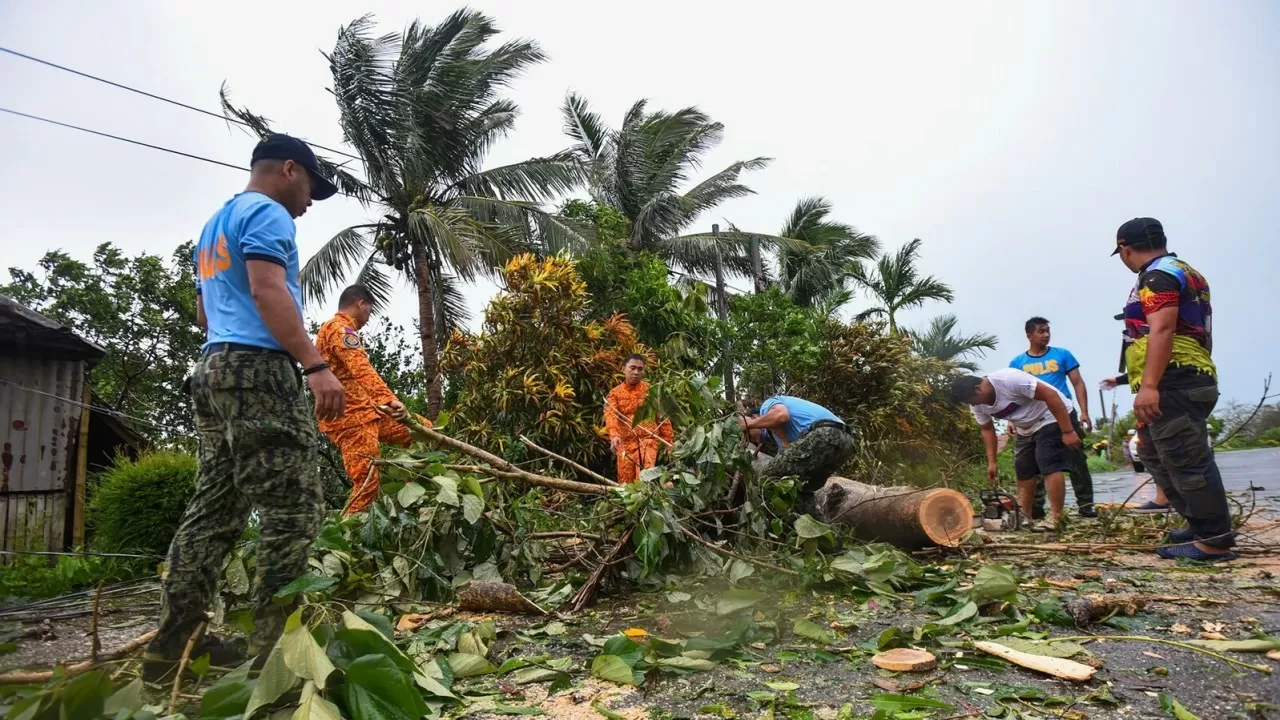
(895, 282)
(819, 264)
(641, 169)
(422, 110)
(942, 341)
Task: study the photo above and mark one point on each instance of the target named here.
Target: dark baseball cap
(279, 146)
(1139, 231)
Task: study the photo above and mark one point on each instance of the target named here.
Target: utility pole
(722, 310)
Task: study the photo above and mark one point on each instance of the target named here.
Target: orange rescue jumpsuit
(360, 429)
(640, 443)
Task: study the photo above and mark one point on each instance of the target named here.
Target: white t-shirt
(1016, 402)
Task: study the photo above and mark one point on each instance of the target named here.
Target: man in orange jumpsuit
(358, 432)
(635, 445)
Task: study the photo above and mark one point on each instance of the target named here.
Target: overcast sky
(1012, 137)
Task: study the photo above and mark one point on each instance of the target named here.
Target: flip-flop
(1191, 552)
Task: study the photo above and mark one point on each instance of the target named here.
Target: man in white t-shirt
(1033, 409)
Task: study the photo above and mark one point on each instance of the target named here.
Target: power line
(121, 139)
(153, 96)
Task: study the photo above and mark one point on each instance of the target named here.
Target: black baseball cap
(279, 146)
(1139, 231)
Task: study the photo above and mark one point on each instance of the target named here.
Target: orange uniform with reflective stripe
(362, 427)
(640, 443)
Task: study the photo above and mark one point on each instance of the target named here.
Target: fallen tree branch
(1266, 388)
(1184, 646)
(32, 678)
(583, 597)
(566, 534)
(182, 666)
(500, 467)
(721, 551)
(580, 468)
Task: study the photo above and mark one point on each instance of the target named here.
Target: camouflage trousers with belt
(258, 445)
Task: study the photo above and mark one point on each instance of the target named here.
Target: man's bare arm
(279, 311)
(1160, 325)
(1082, 392)
(989, 441)
(777, 416)
(201, 320)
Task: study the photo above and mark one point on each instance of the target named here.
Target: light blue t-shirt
(1051, 367)
(803, 415)
(250, 226)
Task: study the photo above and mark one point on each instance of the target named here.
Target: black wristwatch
(316, 368)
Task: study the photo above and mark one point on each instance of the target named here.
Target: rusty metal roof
(26, 331)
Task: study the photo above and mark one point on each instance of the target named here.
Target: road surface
(1239, 469)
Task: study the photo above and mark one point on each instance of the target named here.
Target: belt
(240, 347)
(829, 423)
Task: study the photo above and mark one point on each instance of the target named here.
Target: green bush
(136, 506)
(30, 577)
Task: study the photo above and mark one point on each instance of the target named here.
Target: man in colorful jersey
(359, 431)
(1036, 410)
(813, 443)
(1169, 319)
(1058, 367)
(256, 429)
(636, 446)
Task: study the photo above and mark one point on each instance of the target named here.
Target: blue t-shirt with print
(1051, 367)
(250, 226)
(803, 415)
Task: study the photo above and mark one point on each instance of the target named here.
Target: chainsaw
(999, 511)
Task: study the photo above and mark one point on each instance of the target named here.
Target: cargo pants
(258, 447)
(1175, 449)
(813, 457)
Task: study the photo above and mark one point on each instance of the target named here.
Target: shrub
(136, 505)
(32, 577)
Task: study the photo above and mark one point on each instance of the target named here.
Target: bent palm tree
(811, 270)
(942, 341)
(641, 168)
(895, 282)
(422, 110)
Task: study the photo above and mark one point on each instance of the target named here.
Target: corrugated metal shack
(53, 430)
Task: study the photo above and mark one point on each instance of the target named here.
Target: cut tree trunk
(907, 517)
(427, 330)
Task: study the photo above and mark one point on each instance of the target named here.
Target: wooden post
(82, 470)
(722, 310)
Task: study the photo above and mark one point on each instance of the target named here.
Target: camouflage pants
(257, 451)
(812, 458)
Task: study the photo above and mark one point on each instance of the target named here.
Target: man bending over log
(814, 443)
(1036, 410)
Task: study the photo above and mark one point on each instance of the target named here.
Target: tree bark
(903, 516)
(427, 330)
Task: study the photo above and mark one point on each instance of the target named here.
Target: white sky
(1013, 137)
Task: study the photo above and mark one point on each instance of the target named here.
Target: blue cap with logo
(279, 146)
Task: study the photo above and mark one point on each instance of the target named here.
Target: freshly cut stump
(903, 516)
(905, 660)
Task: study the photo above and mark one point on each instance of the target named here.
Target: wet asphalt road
(1239, 469)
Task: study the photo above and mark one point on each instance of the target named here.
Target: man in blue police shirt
(1056, 366)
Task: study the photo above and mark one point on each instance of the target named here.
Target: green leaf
(374, 688)
(432, 686)
(739, 570)
(487, 572)
(469, 665)
(813, 631)
(227, 699)
(302, 654)
(411, 493)
(85, 695)
(549, 670)
(1175, 709)
(687, 664)
(966, 612)
(624, 647)
(305, 583)
(358, 638)
(677, 596)
(782, 685)
(889, 638)
(892, 702)
(614, 669)
(1248, 646)
(274, 680)
(128, 697)
(314, 707)
(928, 596)
(1052, 611)
(200, 666)
(472, 508)
(448, 494)
(994, 582)
(808, 528)
(737, 599)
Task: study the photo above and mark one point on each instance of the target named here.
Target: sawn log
(907, 517)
